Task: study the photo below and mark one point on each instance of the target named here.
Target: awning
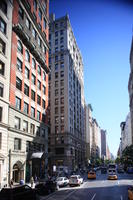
(37, 155)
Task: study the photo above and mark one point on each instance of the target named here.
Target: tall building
(103, 143)
(130, 89)
(28, 125)
(88, 131)
(66, 86)
(5, 55)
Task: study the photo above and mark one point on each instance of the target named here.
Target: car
(46, 187)
(18, 193)
(62, 181)
(75, 180)
(103, 170)
(130, 170)
(112, 174)
(130, 193)
(91, 174)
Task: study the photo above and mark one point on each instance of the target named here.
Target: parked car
(46, 187)
(130, 193)
(18, 193)
(62, 181)
(112, 174)
(75, 180)
(103, 170)
(91, 174)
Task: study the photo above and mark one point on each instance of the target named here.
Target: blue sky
(103, 31)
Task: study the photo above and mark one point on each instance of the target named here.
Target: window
(44, 49)
(61, 32)
(26, 108)
(56, 129)
(62, 100)
(62, 65)
(62, 129)
(56, 34)
(33, 79)
(43, 132)
(56, 101)
(25, 126)
(32, 95)
(56, 25)
(56, 49)
(19, 65)
(62, 110)
(40, 14)
(32, 112)
(27, 146)
(61, 40)
(33, 63)
(56, 110)
(33, 33)
(1, 89)
(39, 85)
(62, 74)
(38, 99)
(2, 46)
(26, 72)
(35, 5)
(56, 58)
(27, 56)
(62, 119)
(44, 76)
(17, 144)
(2, 68)
(0, 114)
(56, 66)
(3, 6)
(56, 42)
(56, 120)
(44, 24)
(62, 91)
(26, 89)
(62, 82)
(39, 70)
(2, 26)
(28, 24)
(59, 150)
(18, 103)
(18, 83)
(44, 89)
(38, 131)
(43, 104)
(38, 115)
(62, 57)
(21, 12)
(32, 129)
(56, 83)
(40, 27)
(61, 47)
(17, 123)
(20, 47)
(56, 74)
(56, 92)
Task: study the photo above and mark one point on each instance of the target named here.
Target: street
(99, 189)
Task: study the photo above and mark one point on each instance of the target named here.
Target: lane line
(93, 196)
(121, 197)
(69, 194)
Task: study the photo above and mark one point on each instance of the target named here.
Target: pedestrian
(32, 181)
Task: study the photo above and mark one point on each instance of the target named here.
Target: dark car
(46, 187)
(18, 193)
(103, 170)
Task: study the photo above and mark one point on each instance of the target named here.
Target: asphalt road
(99, 189)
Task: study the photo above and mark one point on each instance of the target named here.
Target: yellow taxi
(91, 174)
(112, 174)
(130, 193)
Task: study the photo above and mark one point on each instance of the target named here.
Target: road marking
(118, 182)
(121, 197)
(69, 194)
(93, 196)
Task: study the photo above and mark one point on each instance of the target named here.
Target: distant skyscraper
(103, 143)
(66, 90)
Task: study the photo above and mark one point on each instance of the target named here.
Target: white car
(75, 180)
(62, 181)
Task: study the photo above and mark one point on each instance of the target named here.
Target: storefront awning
(36, 155)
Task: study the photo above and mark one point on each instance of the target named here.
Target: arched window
(33, 63)
(27, 56)
(20, 47)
